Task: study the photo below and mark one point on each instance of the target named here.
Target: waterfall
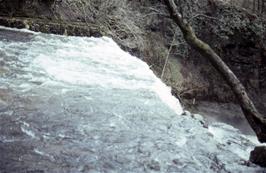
(73, 104)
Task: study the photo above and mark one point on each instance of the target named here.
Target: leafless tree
(255, 119)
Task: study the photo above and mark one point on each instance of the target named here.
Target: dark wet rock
(186, 113)
(154, 165)
(258, 156)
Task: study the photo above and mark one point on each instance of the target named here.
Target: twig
(168, 54)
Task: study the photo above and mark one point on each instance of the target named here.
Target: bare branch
(255, 119)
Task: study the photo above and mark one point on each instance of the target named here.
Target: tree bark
(255, 119)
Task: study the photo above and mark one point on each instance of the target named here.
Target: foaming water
(71, 104)
(18, 30)
(100, 61)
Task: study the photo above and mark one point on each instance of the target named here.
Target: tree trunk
(255, 119)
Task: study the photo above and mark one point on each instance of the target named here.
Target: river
(72, 104)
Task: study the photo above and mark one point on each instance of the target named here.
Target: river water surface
(72, 104)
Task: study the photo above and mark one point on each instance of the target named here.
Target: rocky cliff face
(142, 28)
(239, 39)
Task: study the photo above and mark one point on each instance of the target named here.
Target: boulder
(258, 156)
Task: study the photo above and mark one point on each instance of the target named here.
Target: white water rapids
(72, 104)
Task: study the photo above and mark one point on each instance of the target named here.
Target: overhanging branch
(255, 119)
